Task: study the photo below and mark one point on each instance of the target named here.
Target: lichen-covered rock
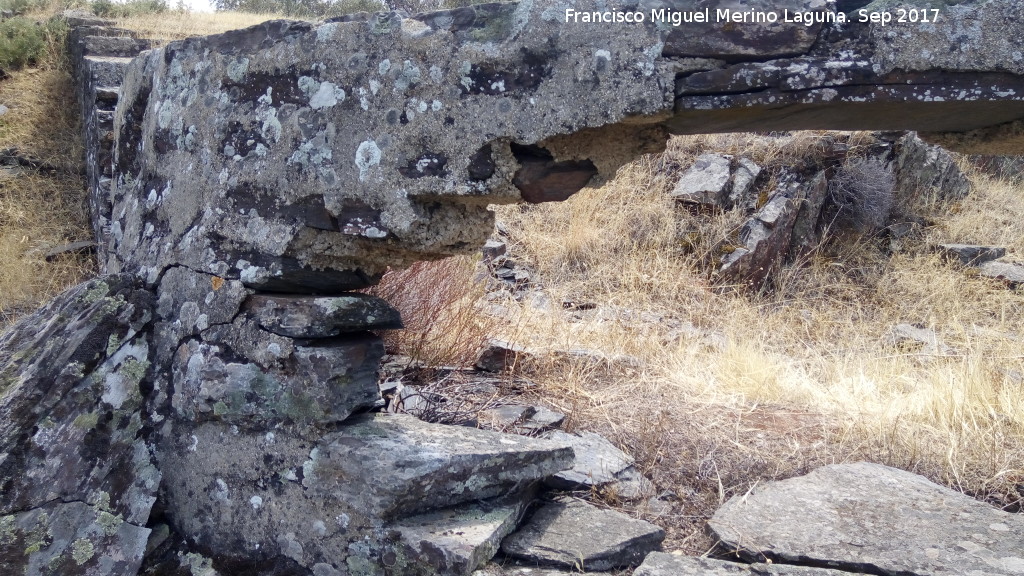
(70, 538)
(928, 171)
(255, 498)
(311, 385)
(458, 540)
(322, 317)
(299, 158)
(706, 181)
(76, 471)
(583, 537)
(873, 519)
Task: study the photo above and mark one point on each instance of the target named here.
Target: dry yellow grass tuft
(40, 209)
(176, 25)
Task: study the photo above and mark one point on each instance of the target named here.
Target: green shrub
(22, 42)
(109, 9)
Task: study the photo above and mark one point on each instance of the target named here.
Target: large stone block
(309, 158)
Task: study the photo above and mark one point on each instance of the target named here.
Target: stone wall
(208, 401)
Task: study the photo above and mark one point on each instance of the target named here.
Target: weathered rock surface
(768, 237)
(971, 254)
(398, 130)
(252, 498)
(458, 540)
(929, 171)
(599, 464)
(76, 473)
(311, 317)
(578, 535)
(846, 516)
(1011, 273)
(499, 355)
(661, 564)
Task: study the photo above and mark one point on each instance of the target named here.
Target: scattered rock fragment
(871, 518)
(500, 355)
(661, 564)
(971, 254)
(599, 464)
(917, 338)
(1011, 273)
(706, 182)
(456, 541)
(581, 536)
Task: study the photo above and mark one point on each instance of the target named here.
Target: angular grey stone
(506, 417)
(458, 540)
(319, 384)
(599, 464)
(71, 412)
(1009, 272)
(971, 254)
(598, 461)
(911, 337)
(493, 249)
(322, 317)
(706, 182)
(771, 234)
(541, 420)
(72, 539)
(743, 178)
(274, 496)
(928, 171)
(498, 355)
(874, 519)
(581, 536)
(662, 564)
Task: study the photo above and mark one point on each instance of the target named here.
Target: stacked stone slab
(99, 54)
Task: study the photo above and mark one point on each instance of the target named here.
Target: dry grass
(40, 210)
(439, 302)
(175, 25)
(733, 389)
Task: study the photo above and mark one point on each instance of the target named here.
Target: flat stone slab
(599, 464)
(1009, 272)
(875, 519)
(322, 317)
(971, 254)
(580, 536)
(458, 540)
(661, 564)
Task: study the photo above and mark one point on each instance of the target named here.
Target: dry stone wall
(206, 405)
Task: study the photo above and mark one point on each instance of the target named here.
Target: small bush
(109, 9)
(438, 303)
(23, 42)
(860, 196)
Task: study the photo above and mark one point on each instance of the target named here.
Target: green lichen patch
(87, 421)
(109, 523)
(82, 551)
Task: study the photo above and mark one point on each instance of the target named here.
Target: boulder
(301, 158)
(580, 536)
(873, 519)
(928, 171)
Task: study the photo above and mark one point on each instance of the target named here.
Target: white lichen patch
(368, 155)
